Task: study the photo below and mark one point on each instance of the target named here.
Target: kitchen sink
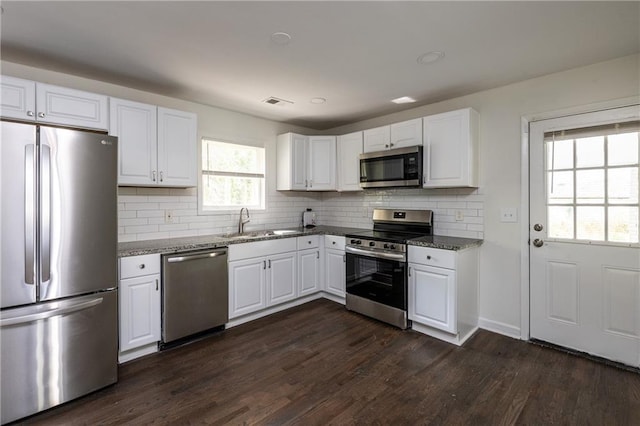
(258, 234)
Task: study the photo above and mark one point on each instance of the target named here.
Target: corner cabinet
(47, 104)
(306, 163)
(443, 292)
(157, 146)
(139, 300)
(349, 148)
(451, 149)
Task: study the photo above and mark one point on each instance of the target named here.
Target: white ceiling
(357, 55)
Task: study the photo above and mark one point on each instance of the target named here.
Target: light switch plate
(509, 214)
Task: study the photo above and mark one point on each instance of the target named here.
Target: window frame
(205, 210)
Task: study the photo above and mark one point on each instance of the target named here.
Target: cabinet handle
(269, 263)
(41, 114)
(428, 257)
(310, 183)
(153, 176)
(161, 177)
(306, 183)
(344, 258)
(409, 271)
(333, 242)
(30, 113)
(309, 242)
(391, 144)
(156, 285)
(317, 255)
(264, 264)
(141, 266)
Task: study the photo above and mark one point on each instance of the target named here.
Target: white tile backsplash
(141, 211)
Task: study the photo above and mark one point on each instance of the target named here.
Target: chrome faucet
(241, 221)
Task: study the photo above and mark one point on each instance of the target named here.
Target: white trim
(525, 325)
(500, 328)
(454, 339)
(134, 353)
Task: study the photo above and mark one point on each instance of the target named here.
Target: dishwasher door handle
(196, 256)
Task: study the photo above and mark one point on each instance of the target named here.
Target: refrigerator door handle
(22, 319)
(29, 214)
(46, 214)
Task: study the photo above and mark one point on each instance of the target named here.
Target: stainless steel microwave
(391, 168)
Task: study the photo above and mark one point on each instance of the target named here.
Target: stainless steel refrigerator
(58, 266)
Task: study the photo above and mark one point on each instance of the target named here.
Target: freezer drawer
(57, 351)
(195, 293)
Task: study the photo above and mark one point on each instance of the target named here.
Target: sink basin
(257, 234)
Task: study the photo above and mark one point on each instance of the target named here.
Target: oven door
(378, 276)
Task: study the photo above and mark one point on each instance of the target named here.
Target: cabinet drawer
(433, 257)
(311, 241)
(136, 266)
(334, 242)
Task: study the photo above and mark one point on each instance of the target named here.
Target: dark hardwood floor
(319, 364)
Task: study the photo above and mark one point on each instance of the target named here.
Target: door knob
(538, 242)
(538, 227)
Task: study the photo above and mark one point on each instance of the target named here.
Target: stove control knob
(372, 243)
(392, 247)
(386, 245)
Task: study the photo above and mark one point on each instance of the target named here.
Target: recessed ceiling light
(430, 57)
(403, 100)
(317, 100)
(280, 38)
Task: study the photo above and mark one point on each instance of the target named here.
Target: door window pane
(590, 152)
(590, 223)
(623, 224)
(623, 149)
(560, 186)
(623, 185)
(560, 221)
(560, 155)
(590, 186)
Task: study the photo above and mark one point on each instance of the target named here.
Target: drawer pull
(141, 266)
(428, 257)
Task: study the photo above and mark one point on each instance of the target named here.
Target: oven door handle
(375, 254)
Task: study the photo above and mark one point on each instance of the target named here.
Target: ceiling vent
(272, 100)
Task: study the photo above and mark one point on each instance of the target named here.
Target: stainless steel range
(376, 279)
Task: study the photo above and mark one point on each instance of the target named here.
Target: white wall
(500, 111)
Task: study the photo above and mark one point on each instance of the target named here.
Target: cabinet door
(281, 277)
(247, 286)
(432, 297)
(406, 133)
(322, 163)
(299, 162)
(377, 139)
(450, 149)
(18, 98)
(177, 148)
(308, 272)
(349, 149)
(139, 311)
(335, 272)
(70, 107)
(135, 126)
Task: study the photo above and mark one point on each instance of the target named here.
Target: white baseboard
(137, 352)
(499, 327)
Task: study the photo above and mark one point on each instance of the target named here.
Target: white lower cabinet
(443, 292)
(261, 274)
(335, 266)
(139, 300)
(308, 271)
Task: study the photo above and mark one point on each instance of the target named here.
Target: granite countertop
(446, 243)
(174, 245)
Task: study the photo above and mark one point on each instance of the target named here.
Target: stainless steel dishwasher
(195, 293)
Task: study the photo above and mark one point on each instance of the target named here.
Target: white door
(407, 133)
(308, 272)
(139, 311)
(377, 139)
(432, 296)
(247, 286)
(177, 148)
(17, 98)
(335, 271)
(322, 163)
(349, 148)
(584, 253)
(70, 107)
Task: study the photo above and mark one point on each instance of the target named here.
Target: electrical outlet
(459, 215)
(168, 216)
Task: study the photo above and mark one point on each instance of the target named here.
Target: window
(232, 176)
(592, 184)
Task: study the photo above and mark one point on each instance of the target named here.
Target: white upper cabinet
(322, 163)
(157, 146)
(406, 133)
(18, 98)
(177, 148)
(377, 139)
(349, 150)
(450, 149)
(306, 163)
(45, 103)
(135, 126)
